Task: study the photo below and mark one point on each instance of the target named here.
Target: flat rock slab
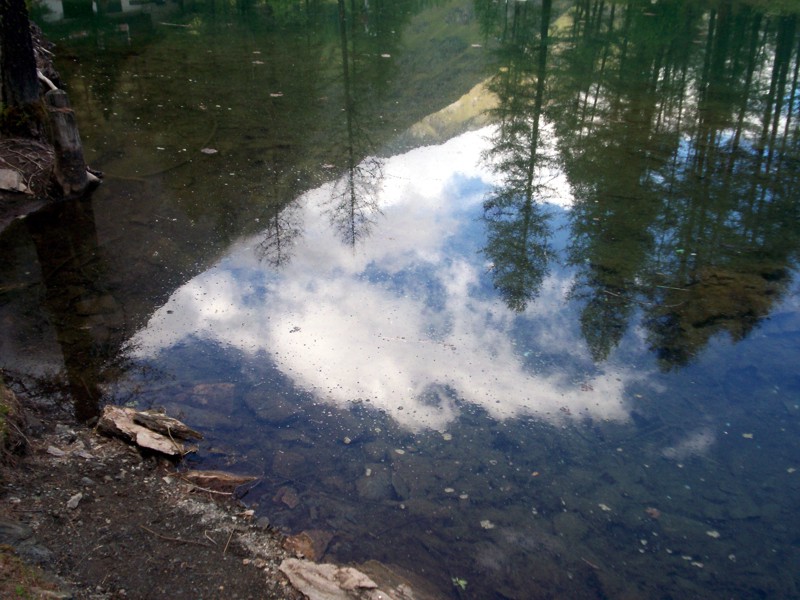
(148, 430)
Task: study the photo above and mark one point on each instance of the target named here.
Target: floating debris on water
(399, 451)
(747, 436)
(449, 490)
(604, 507)
(713, 533)
(447, 437)
(487, 524)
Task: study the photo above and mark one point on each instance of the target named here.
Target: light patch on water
(694, 444)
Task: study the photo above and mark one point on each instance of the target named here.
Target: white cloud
(339, 330)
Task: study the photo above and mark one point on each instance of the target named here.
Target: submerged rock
(311, 544)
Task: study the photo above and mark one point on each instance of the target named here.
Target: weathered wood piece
(165, 425)
(120, 422)
(69, 169)
(217, 481)
(330, 582)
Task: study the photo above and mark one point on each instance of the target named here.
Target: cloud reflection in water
(406, 319)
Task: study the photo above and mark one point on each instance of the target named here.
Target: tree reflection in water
(518, 234)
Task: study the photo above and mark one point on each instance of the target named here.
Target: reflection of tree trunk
(66, 245)
(748, 84)
(537, 105)
(790, 106)
(354, 199)
(348, 109)
(783, 55)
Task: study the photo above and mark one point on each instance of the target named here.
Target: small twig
(173, 539)
(202, 489)
(228, 542)
(208, 537)
(669, 287)
(19, 431)
(47, 81)
(181, 450)
(591, 564)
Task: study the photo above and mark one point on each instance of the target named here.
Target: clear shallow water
(542, 340)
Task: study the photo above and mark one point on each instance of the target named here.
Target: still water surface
(502, 293)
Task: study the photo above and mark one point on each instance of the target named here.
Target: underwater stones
(287, 463)
(571, 525)
(400, 486)
(218, 396)
(290, 435)
(287, 496)
(375, 451)
(205, 419)
(378, 485)
(272, 408)
(101, 305)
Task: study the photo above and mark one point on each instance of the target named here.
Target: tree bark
(20, 86)
(69, 169)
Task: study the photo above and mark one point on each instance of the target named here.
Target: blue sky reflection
(407, 318)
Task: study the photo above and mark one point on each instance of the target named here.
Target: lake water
(501, 293)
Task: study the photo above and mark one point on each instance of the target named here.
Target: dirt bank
(111, 523)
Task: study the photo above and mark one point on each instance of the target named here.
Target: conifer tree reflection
(280, 236)
(517, 225)
(354, 202)
(729, 245)
(677, 131)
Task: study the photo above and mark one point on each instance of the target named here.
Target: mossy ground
(20, 580)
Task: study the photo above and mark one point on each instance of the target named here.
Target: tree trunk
(69, 169)
(20, 86)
